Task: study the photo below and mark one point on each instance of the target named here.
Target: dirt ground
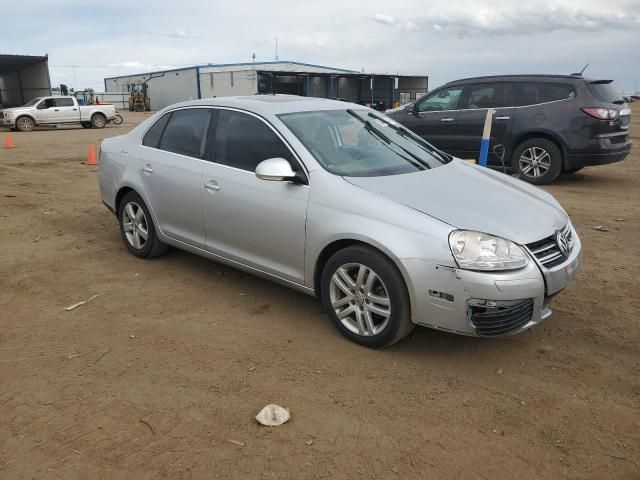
(162, 374)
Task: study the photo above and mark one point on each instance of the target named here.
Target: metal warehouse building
(205, 81)
(23, 77)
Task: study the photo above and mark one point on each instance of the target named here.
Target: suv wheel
(538, 161)
(137, 229)
(366, 297)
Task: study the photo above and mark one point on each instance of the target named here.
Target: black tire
(573, 169)
(537, 154)
(98, 120)
(86, 124)
(117, 120)
(25, 124)
(399, 323)
(152, 246)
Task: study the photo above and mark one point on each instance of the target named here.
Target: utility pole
(276, 49)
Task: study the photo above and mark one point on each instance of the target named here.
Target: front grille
(500, 317)
(547, 250)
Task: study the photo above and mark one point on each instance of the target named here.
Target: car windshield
(360, 143)
(31, 103)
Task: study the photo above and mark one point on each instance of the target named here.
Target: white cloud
(410, 27)
(384, 19)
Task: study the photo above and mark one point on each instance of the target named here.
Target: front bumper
(486, 303)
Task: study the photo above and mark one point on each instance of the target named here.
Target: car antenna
(581, 71)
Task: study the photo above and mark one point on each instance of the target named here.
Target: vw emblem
(563, 243)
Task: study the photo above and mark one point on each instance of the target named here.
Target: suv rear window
(604, 91)
(532, 93)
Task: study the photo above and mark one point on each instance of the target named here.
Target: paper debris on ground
(273, 416)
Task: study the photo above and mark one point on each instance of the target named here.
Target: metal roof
(243, 64)
(12, 63)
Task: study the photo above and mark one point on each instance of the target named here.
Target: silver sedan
(341, 202)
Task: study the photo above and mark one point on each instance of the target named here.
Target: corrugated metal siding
(172, 87)
(280, 67)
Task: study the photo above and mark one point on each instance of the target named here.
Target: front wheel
(366, 297)
(137, 228)
(25, 124)
(537, 161)
(117, 120)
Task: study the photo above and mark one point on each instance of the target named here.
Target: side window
(152, 137)
(64, 102)
(48, 103)
(488, 95)
(185, 132)
(532, 93)
(243, 141)
(446, 99)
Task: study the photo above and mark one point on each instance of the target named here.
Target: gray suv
(544, 124)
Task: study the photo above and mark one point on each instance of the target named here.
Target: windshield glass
(360, 143)
(31, 103)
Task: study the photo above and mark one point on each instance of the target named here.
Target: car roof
(271, 104)
(518, 77)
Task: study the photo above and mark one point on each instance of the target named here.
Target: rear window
(532, 93)
(152, 137)
(185, 132)
(605, 92)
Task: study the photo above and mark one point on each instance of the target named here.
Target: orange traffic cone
(92, 156)
(8, 141)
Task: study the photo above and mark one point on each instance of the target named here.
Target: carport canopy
(23, 77)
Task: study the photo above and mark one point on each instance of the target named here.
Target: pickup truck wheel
(98, 121)
(86, 124)
(25, 124)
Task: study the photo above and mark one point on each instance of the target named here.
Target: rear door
(255, 222)
(477, 99)
(66, 110)
(434, 118)
(170, 162)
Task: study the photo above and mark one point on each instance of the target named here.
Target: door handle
(503, 118)
(75, 109)
(147, 169)
(448, 119)
(211, 185)
(56, 110)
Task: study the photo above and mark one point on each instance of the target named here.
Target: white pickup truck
(56, 111)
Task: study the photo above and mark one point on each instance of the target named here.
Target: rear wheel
(366, 297)
(25, 124)
(98, 120)
(537, 161)
(137, 228)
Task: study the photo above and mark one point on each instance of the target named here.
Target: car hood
(13, 109)
(470, 197)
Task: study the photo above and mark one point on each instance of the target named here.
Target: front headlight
(481, 251)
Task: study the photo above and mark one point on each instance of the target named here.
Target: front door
(434, 118)
(46, 111)
(255, 222)
(477, 99)
(170, 163)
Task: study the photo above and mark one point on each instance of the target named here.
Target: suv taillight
(601, 113)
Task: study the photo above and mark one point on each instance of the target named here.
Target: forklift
(139, 100)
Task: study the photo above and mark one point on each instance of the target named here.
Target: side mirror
(275, 169)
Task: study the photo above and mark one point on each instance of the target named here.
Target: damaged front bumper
(485, 304)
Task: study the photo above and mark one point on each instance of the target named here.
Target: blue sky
(87, 41)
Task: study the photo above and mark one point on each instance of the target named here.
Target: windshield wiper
(425, 146)
(369, 126)
(421, 164)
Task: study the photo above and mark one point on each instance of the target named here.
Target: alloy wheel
(534, 162)
(25, 125)
(134, 223)
(360, 299)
